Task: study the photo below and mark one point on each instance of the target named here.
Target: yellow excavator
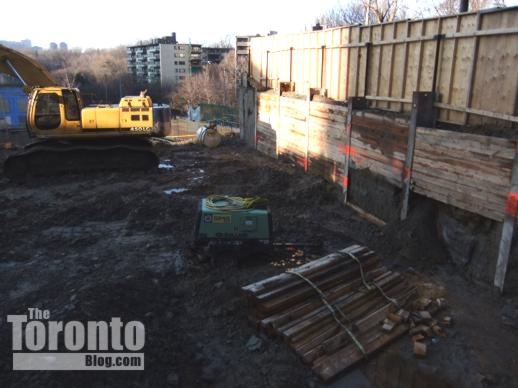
(73, 138)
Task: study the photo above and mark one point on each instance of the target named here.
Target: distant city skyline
(105, 24)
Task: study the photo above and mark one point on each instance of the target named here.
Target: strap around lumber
(333, 309)
(372, 285)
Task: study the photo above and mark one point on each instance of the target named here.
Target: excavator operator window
(47, 111)
(71, 106)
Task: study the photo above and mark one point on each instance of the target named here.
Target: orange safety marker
(511, 205)
(406, 172)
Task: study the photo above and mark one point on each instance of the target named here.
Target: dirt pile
(96, 246)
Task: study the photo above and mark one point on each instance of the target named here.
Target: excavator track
(54, 157)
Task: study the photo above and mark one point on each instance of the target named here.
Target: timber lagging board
(471, 172)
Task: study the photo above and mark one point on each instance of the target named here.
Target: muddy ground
(96, 246)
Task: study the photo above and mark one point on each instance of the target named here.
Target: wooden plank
(507, 229)
(449, 186)
(306, 269)
(459, 200)
(486, 145)
(343, 359)
(468, 183)
(486, 174)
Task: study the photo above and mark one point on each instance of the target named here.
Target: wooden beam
(478, 112)
(472, 68)
(438, 51)
(454, 35)
(420, 58)
(422, 115)
(405, 65)
(507, 228)
(388, 99)
(453, 63)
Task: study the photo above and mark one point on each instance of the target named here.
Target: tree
(226, 42)
(101, 75)
(214, 85)
(384, 10)
(451, 7)
(357, 11)
(352, 13)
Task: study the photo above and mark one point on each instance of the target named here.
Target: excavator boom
(26, 69)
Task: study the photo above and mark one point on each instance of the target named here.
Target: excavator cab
(54, 110)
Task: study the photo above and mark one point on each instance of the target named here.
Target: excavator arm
(26, 69)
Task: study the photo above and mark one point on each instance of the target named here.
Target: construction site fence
(468, 60)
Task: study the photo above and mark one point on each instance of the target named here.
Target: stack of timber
(332, 311)
(472, 172)
(379, 143)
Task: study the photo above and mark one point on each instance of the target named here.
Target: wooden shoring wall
(379, 143)
(468, 171)
(313, 135)
(472, 65)
(475, 173)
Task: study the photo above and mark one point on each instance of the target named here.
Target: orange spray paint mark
(512, 204)
(406, 172)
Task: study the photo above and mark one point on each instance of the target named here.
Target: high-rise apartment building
(163, 60)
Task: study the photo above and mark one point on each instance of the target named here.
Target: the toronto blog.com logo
(40, 343)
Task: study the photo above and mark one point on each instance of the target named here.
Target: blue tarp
(13, 107)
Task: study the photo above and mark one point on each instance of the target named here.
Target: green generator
(233, 220)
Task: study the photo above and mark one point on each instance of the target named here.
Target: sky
(110, 23)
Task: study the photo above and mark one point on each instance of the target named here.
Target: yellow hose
(228, 203)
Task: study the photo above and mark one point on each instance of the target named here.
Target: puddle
(166, 165)
(176, 190)
(180, 264)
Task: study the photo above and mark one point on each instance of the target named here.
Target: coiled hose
(228, 203)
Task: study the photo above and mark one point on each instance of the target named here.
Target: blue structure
(13, 107)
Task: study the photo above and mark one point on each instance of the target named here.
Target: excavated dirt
(96, 246)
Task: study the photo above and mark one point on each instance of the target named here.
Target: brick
(395, 318)
(404, 314)
(419, 349)
(418, 337)
(425, 315)
(424, 329)
(441, 302)
(423, 303)
(438, 331)
(446, 321)
(388, 325)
